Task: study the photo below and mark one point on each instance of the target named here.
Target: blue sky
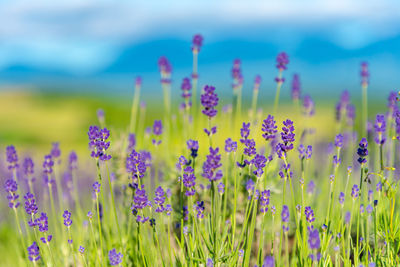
(70, 43)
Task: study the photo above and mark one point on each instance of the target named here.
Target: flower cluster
(264, 200)
(98, 142)
(314, 242)
(193, 146)
(362, 151)
(211, 165)
(287, 136)
(197, 43)
(11, 188)
(165, 70)
(209, 100)
(364, 73)
(296, 87)
(282, 60)
(308, 106)
(12, 157)
(186, 94)
(189, 181)
(309, 213)
(259, 163)
(285, 218)
(380, 129)
(230, 145)
(140, 201)
(237, 75)
(136, 165)
(200, 209)
(269, 128)
(30, 204)
(114, 257)
(257, 82)
(67, 218)
(33, 252)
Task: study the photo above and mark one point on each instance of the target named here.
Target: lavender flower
(55, 150)
(189, 181)
(342, 105)
(101, 116)
(165, 70)
(392, 103)
(11, 188)
(311, 187)
(72, 161)
(30, 204)
(285, 214)
(380, 129)
(33, 252)
(364, 74)
(136, 165)
(314, 241)
(96, 187)
(347, 217)
(269, 262)
(209, 100)
(42, 222)
(140, 201)
(287, 136)
(48, 165)
(81, 249)
(309, 213)
(211, 165)
(250, 148)
(245, 132)
(296, 87)
(12, 157)
(237, 75)
(355, 191)
(369, 209)
(131, 142)
(193, 146)
(114, 257)
(159, 200)
(67, 218)
(264, 200)
(230, 145)
(308, 106)
(339, 141)
(210, 263)
(157, 127)
(269, 128)
(197, 43)
(221, 188)
(257, 82)
(200, 209)
(186, 94)
(259, 163)
(341, 198)
(362, 151)
(28, 166)
(98, 142)
(282, 60)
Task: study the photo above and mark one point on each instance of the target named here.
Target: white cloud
(83, 35)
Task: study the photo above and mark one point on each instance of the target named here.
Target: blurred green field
(33, 120)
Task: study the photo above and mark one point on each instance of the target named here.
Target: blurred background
(61, 61)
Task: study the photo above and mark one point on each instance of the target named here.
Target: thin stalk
(364, 110)
(99, 228)
(113, 204)
(278, 90)
(135, 104)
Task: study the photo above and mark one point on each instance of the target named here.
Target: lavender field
(203, 179)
